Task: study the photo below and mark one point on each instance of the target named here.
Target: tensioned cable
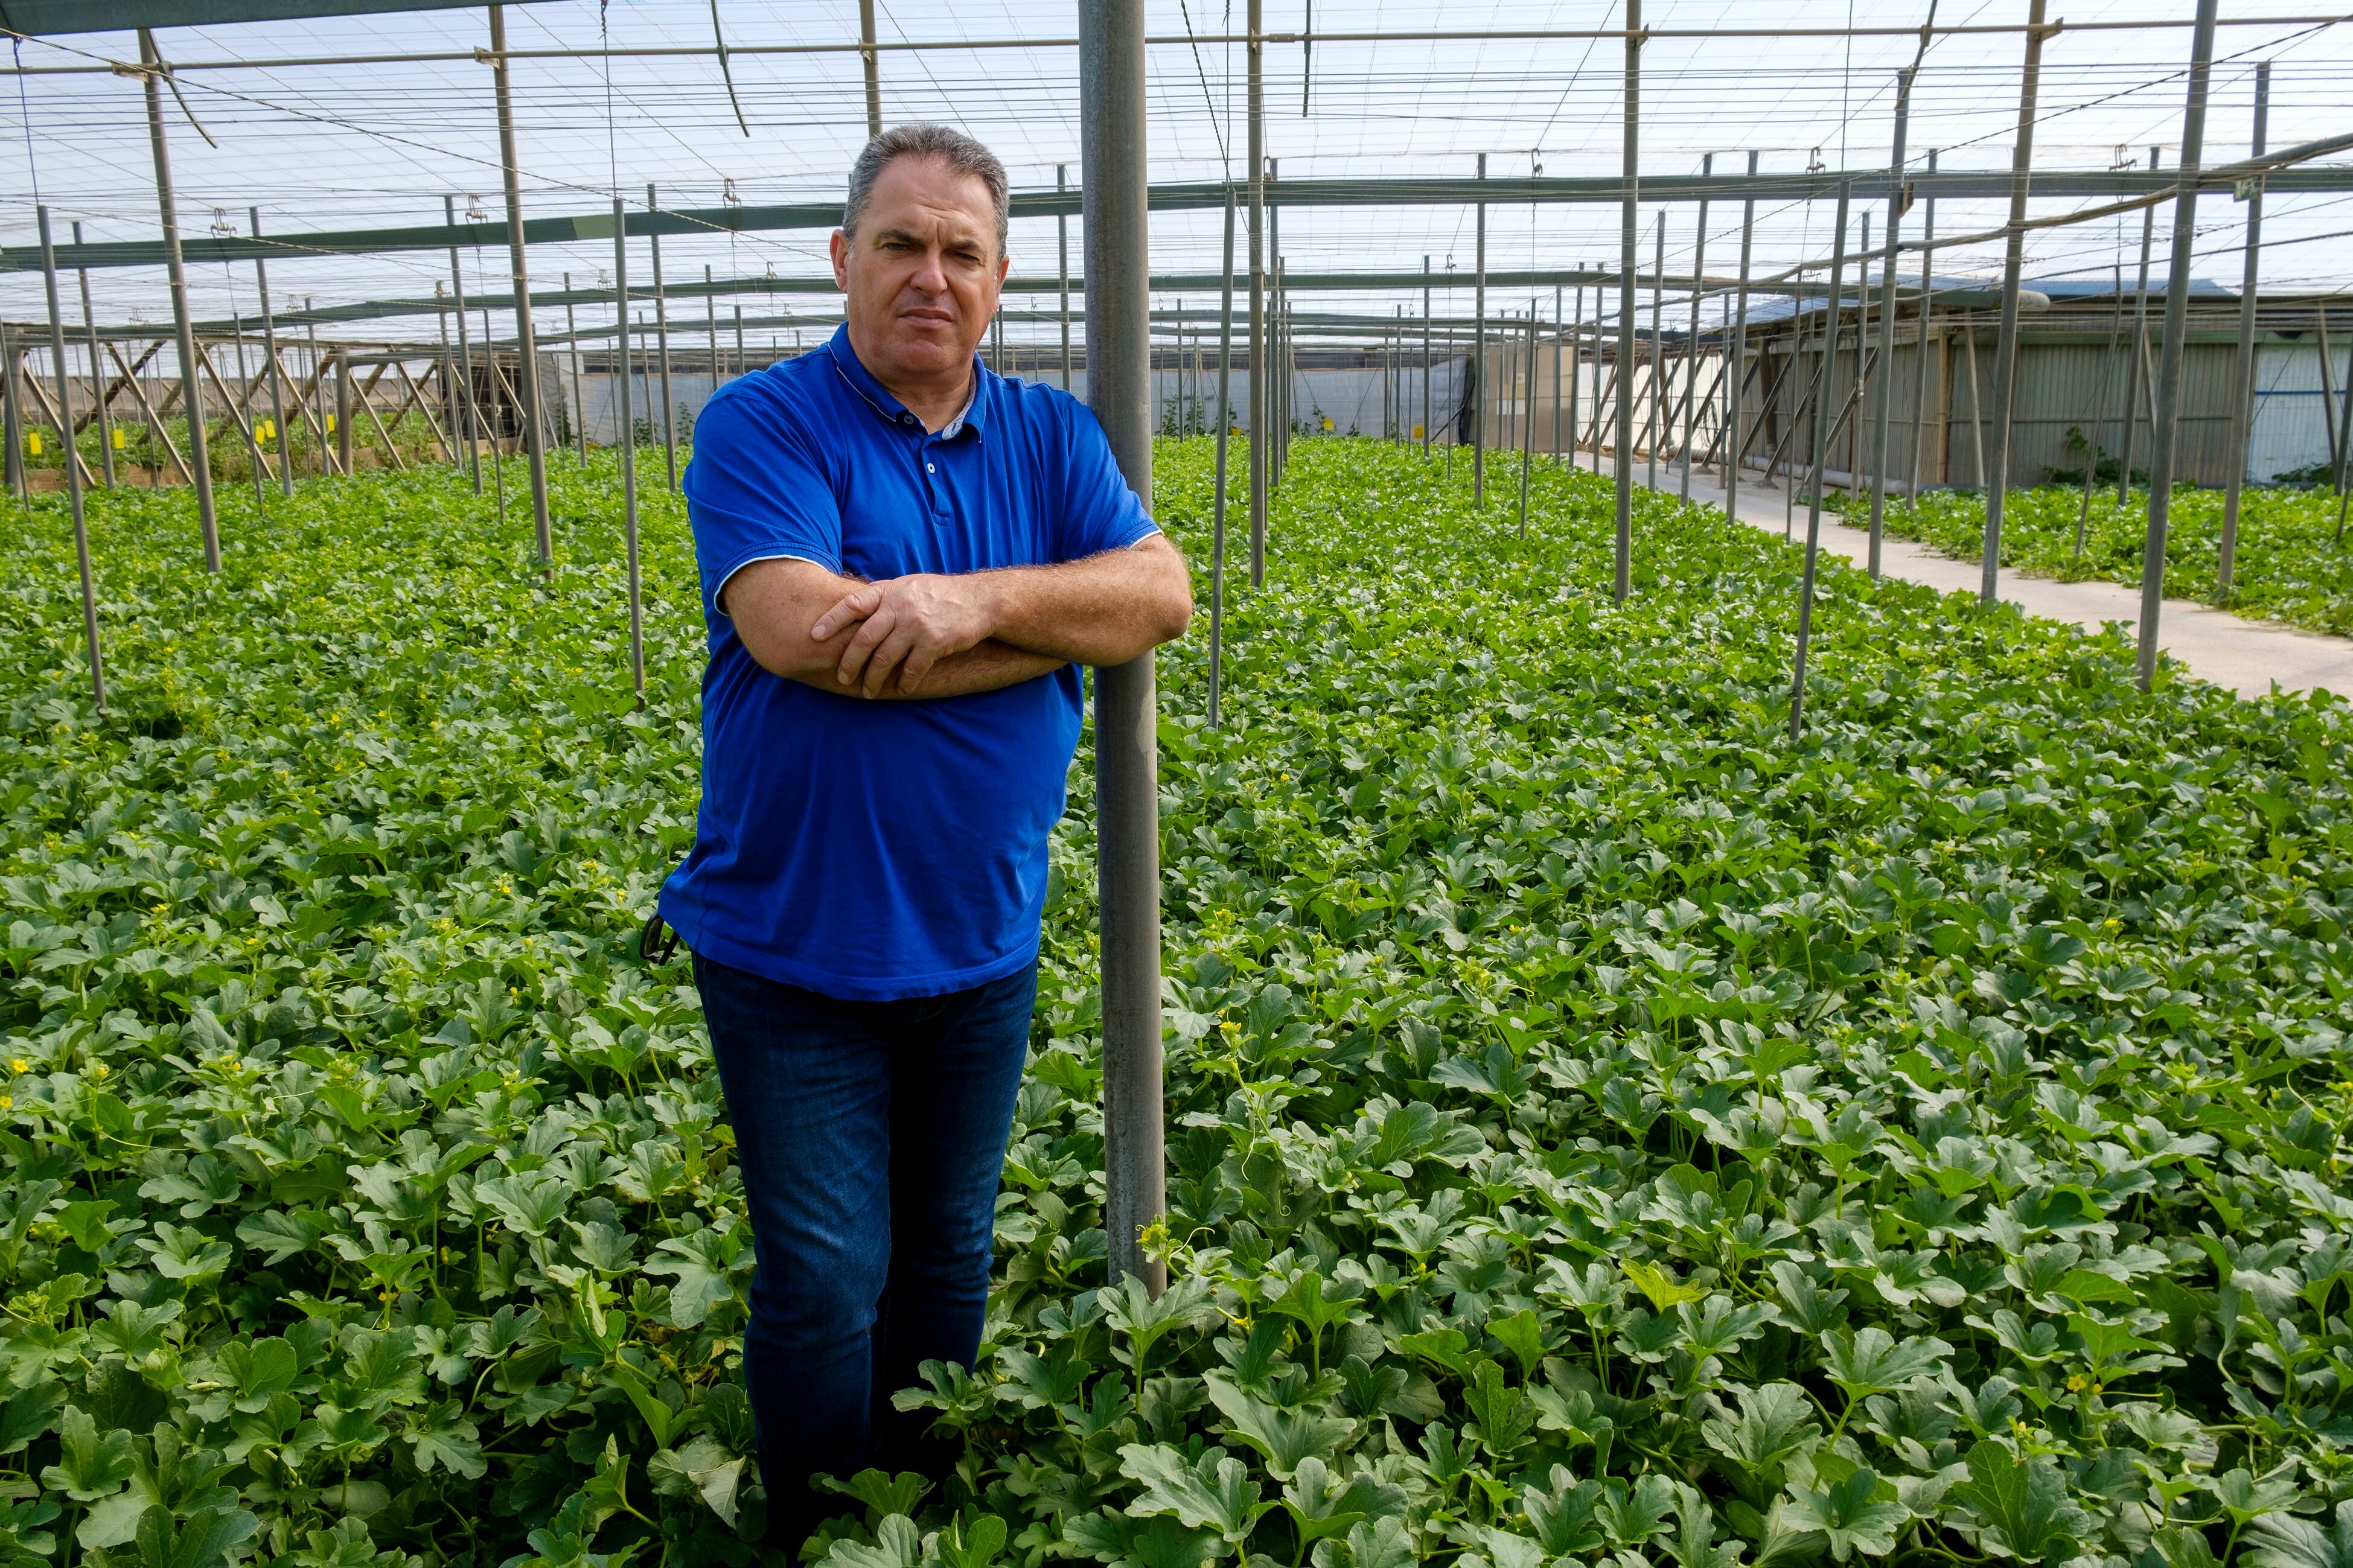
(1216, 129)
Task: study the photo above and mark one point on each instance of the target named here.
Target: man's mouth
(923, 316)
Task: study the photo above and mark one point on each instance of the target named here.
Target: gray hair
(959, 152)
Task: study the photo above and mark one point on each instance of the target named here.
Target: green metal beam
(36, 17)
(1868, 186)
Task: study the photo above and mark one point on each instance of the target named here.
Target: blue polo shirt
(876, 850)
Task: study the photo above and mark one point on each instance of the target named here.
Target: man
(905, 559)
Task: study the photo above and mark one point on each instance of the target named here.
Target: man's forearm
(991, 666)
(1104, 609)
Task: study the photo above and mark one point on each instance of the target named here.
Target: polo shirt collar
(852, 369)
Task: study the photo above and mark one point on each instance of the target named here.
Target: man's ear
(838, 247)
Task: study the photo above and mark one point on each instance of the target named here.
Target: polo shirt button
(931, 468)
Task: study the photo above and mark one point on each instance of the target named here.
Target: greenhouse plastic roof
(36, 17)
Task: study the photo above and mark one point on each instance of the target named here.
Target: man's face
(923, 273)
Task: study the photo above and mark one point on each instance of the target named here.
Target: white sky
(333, 147)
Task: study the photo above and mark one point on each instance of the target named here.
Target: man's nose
(931, 274)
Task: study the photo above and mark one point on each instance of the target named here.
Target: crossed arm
(936, 635)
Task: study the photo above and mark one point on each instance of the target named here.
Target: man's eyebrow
(962, 238)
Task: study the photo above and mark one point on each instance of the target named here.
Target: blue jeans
(872, 1137)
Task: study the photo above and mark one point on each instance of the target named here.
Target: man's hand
(774, 603)
(908, 625)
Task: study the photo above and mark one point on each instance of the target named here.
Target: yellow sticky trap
(331, 424)
(1417, 432)
(118, 440)
(1327, 423)
(33, 442)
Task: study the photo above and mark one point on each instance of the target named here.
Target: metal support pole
(2091, 455)
(1658, 353)
(269, 347)
(1559, 347)
(12, 411)
(1112, 99)
(579, 401)
(743, 366)
(345, 453)
(1691, 345)
(661, 342)
(2136, 358)
(1736, 373)
(1479, 364)
(1428, 421)
(628, 449)
(2168, 362)
(1576, 351)
(1920, 356)
(1261, 443)
(2242, 411)
(1885, 373)
(98, 372)
(191, 398)
(873, 62)
(526, 387)
(711, 328)
(2005, 359)
(1062, 246)
(1218, 504)
(470, 414)
(1527, 414)
(73, 470)
(1632, 151)
(1814, 500)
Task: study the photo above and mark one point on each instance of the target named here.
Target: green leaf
(90, 1465)
(1322, 1505)
(2024, 1505)
(1213, 1493)
(1853, 1515)
(1503, 1416)
(2284, 1541)
(1283, 1436)
(884, 1493)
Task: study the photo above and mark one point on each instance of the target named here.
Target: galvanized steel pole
(98, 373)
(1559, 346)
(268, 346)
(1111, 101)
(72, 467)
(1691, 345)
(579, 402)
(1527, 379)
(2136, 357)
(2168, 361)
(1258, 441)
(1735, 442)
(1478, 388)
(661, 341)
(1658, 351)
(1884, 373)
(1429, 417)
(2243, 411)
(1920, 356)
(628, 449)
(465, 353)
(1062, 246)
(191, 398)
(1217, 505)
(1821, 434)
(873, 63)
(2005, 360)
(1630, 151)
(526, 388)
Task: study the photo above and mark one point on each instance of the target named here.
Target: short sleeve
(1098, 513)
(757, 490)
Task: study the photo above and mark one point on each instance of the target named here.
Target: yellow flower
(98, 1069)
(18, 1064)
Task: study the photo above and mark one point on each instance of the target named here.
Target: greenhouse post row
(1804, 395)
